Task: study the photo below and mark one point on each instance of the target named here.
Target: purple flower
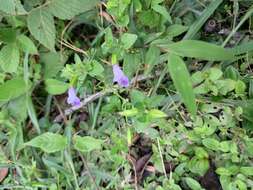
(72, 98)
(119, 76)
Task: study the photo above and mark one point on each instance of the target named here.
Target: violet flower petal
(72, 98)
(119, 76)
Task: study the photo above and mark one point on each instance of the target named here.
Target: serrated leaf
(66, 9)
(87, 143)
(41, 25)
(182, 82)
(199, 49)
(48, 142)
(127, 40)
(55, 87)
(26, 44)
(12, 89)
(9, 58)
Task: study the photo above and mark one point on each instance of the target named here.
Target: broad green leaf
(87, 143)
(9, 58)
(127, 40)
(48, 142)
(199, 49)
(223, 171)
(12, 89)
(66, 9)
(7, 6)
(41, 25)
(163, 11)
(211, 143)
(192, 183)
(26, 44)
(198, 166)
(53, 62)
(55, 87)
(182, 81)
(202, 19)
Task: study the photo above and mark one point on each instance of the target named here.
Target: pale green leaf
(66, 9)
(12, 89)
(199, 49)
(155, 114)
(128, 40)
(7, 6)
(55, 87)
(49, 142)
(129, 113)
(26, 44)
(9, 58)
(87, 143)
(182, 81)
(41, 25)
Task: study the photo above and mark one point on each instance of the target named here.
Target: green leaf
(87, 143)
(26, 44)
(247, 170)
(53, 62)
(55, 87)
(182, 82)
(223, 171)
(198, 166)
(175, 30)
(163, 11)
(7, 6)
(9, 58)
(12, 89)
(32, 113)
(129, 113)
(155, 114)
(210, 143)
(127, 40)
(41, 25)
(132, 62)
(151, 58)
(8, 35)
(192, 183)
(199, 49)
(96, 69)
(48, 142)
(66, 9)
